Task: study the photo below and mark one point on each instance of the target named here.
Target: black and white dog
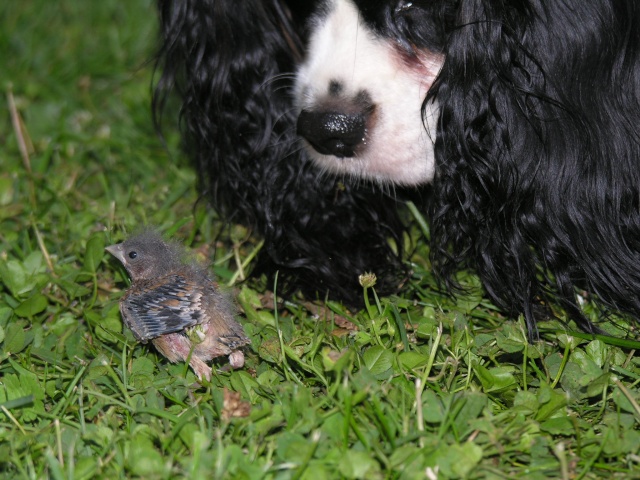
(517, 123)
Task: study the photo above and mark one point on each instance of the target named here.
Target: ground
(414, 386)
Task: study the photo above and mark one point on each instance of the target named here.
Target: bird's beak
(117, 251)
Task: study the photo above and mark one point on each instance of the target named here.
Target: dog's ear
(227, 60)
(488, 90)
(495, 105)
(537, 157)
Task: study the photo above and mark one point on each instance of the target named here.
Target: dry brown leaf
(233, 406)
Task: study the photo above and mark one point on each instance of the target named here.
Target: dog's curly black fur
(536, 155)
(539, 152)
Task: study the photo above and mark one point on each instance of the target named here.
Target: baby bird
(174, 302)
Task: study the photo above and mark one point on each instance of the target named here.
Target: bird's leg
(236, 359)
(201, 369)
(176, 347)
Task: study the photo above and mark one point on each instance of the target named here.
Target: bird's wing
(166, 306)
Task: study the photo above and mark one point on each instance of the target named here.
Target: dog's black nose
(333, 133)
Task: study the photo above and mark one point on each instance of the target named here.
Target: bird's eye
(133, 255)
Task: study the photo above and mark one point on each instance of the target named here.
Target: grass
(412, 387)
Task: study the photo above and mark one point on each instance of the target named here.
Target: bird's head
(146, 256)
